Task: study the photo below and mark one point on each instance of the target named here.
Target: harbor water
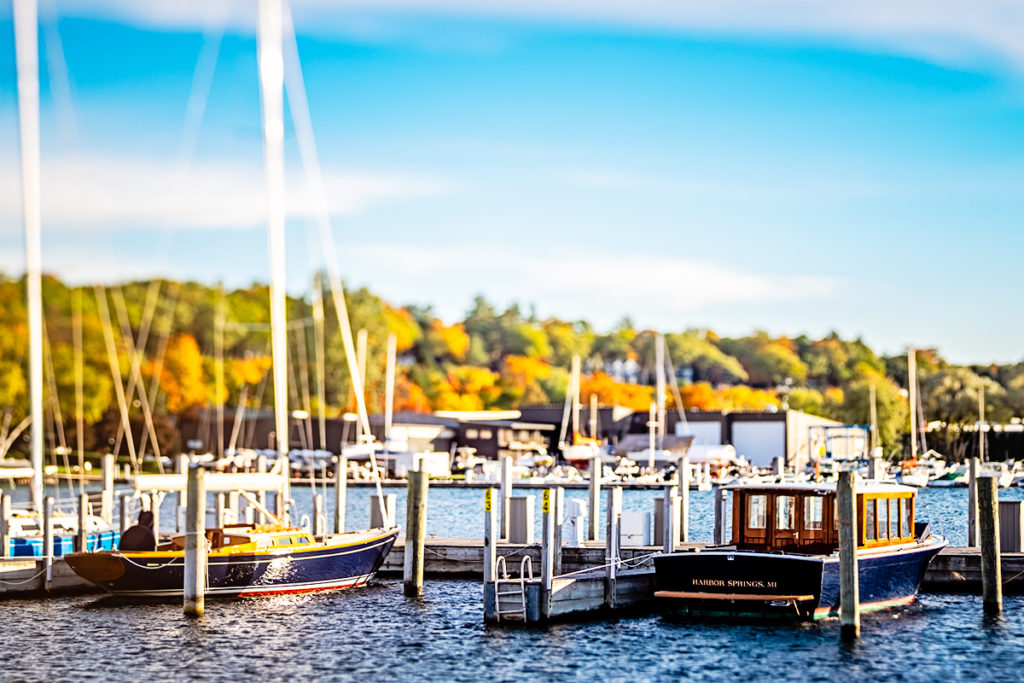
(376, 634)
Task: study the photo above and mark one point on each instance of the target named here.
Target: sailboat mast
(912, 388)
(271, 68)
(26, 38)
(575, 384)
(659, 353)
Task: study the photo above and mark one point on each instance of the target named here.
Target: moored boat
(783, 558)
(243, 560)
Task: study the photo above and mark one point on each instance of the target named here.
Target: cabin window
(472, 434)
(894, 518)
(869, 519)
(485, 434)
(756, 512)
(813, 512)
(784, 512)
(883, 520)
(284, 541)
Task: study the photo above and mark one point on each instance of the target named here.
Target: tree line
(491, 359)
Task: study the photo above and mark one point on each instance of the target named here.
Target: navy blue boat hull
(272, 572)
(807, 585)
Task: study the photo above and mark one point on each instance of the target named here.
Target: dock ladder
(515, 590)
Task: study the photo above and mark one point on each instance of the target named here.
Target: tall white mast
(659, 353)
(912, 388)
(271, 67)
(389, 391)
(575, 384)
(26, 39)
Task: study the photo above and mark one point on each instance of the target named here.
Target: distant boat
(783, 559)
(243, 560)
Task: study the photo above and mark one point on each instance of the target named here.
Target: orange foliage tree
(610, 392)
(464, 387)
(409, 396)
(182, 377)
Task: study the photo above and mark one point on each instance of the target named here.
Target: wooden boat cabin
(800, 518)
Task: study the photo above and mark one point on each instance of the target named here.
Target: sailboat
(250, 559)
(26, 526)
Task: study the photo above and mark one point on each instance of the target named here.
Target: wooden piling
(973, 469)
(109, 469)
(5, 528)
(849, 589)
(82, 537)
(988, 527)
(195, 543)
(684, 498)
(340, 493)
(506, 496)
(611, 544)
(48, 541)
(594, 500)
(415, 533)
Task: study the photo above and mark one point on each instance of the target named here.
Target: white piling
(109, 469)
(548, 547)
(154, 507)
(340, 493)
(220, 509)
(670, 519)
(82, 537)
(490, 535)
(721, 512)
(684, 498)
(506, 496)
(559, 520)
(195, 543)
(389, 509)
(594, 509)
(611, 544)
(261, 496)
(849, 589)
(318, 513)
(5, 529)
(48, 540)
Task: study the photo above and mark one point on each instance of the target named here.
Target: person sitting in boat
(140, 536)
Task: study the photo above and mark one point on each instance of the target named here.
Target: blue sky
(787, 165)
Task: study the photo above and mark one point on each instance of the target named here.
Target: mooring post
(594, 511)
(721, 510)
(318, 511)
(669, 519)
(340, 493)
(180, 467)
(988, 523)
(415, 533)
(261, 496)
(973, 469)
(82, 537)
(126, 520)
(389, 511)
(195, 543)
(684, 499)
(109, 469)
(611, 544)
(559, 520)
(154, 507)
(48, 541)
(220, 508)
(849, 589)
(5, 529)
(548, 548)
(506, 496)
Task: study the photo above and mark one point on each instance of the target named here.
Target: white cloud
(601, 287)
(943, 30)
(109, 193)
